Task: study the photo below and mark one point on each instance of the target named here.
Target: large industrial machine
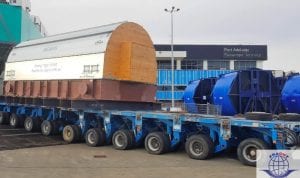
(198, 92)
(98, 85)
(106, 63)
(291, 95)
(245, 91)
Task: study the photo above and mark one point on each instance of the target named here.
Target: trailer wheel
(28, 124)
(37, 122)
(32, 124)
(77, 129)
(199, 147)
(4, 118)
(157, 143)
(16, 121)
(291, 138)
(95, 137)
(71, 133)
(47, 128)
(123, 139)
(247, 150)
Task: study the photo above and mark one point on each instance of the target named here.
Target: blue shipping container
(181, 78)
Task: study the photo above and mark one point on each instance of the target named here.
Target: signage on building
(220, 52)
(241, 52)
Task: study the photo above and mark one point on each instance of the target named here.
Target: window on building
(163, 88)
(242, 65)
(218, 65)
(165, 64)
(188, 64)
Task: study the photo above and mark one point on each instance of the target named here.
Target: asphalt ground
(24, 154)
(80, 161)
(11, 139)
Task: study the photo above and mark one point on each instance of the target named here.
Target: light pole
(172, 11)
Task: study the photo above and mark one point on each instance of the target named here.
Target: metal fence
(206, 109)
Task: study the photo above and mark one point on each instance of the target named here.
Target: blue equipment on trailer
(239, 92)
(252, 90)
(160, 131)
(290, 97)
(198, 92)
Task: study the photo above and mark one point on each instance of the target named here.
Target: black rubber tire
(248, 145)
(28, 124)
(259, 116)
(289, 117)
(56, 124)
(193, 143)
(37, 122)
(32, 124)
(47, 128)
(4, 118)
(95, 137)
(291, 138)
(161, 143)
(123, 139)
(78, 135)
(16, 121)
(71, 133)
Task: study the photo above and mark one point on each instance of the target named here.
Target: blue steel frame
(225, 132)
(255, 95)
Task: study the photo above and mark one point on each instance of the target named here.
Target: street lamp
(172, 11)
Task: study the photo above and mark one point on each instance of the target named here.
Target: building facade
(194, 62)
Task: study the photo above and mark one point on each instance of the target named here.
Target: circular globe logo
(278, 165)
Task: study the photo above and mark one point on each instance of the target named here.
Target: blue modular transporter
(159, 131)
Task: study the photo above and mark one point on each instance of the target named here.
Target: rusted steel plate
(100, 89)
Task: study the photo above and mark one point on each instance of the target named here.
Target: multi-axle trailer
(159, 131)
(98, 85)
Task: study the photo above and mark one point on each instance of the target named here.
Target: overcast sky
(275, 23)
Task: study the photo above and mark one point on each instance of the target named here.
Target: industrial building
(193, 62)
